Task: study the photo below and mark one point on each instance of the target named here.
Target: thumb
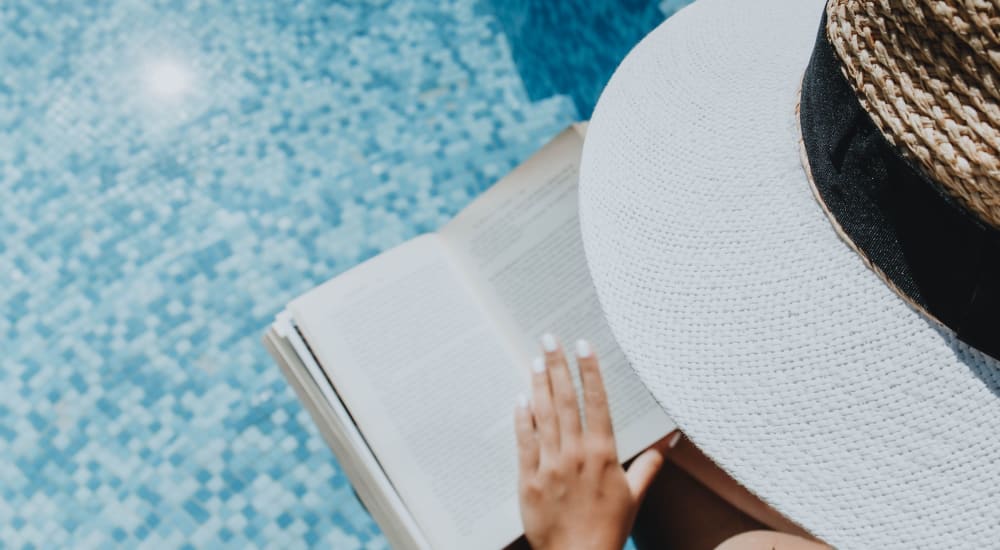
(643, 470)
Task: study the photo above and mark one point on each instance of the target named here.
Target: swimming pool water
(172, 172)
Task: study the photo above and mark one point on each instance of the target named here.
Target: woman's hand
(574, 494)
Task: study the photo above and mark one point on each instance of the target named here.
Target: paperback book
(411, 362)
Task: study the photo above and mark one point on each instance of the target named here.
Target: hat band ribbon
(940, 256)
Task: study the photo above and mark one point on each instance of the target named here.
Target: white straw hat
(767, 277)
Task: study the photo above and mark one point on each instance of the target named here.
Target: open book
(410, 363)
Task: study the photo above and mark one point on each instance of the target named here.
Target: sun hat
(791, 213)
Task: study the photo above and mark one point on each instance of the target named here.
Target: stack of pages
(410, 363)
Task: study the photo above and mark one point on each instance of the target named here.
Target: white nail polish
(549, 343)
(673, 440)
(538, 365)
(582, 349)
(522, 401)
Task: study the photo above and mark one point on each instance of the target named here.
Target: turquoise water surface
(172, 173)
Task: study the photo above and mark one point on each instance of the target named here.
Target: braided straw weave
(928, 73)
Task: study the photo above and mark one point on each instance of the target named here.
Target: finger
(644, 468)
(595, 399)
(563, 391)
(546, 422)
(527, 441)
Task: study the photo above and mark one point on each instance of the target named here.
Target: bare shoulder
(769, 540)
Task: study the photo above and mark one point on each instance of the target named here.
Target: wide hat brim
(777, 351)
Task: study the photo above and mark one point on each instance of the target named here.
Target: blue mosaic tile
(572, 47)
(172, 172)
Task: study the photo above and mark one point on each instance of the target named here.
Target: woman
(574, 493)
(794, 229)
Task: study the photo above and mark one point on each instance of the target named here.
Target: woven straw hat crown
(928, 73)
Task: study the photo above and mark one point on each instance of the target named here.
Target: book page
(427, 377)
(521, 239)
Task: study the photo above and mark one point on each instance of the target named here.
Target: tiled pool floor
(171, 173)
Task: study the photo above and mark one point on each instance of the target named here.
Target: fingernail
(582, 349)
(538, 365)
(549, 342)
(522, 401)
(673, 440)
